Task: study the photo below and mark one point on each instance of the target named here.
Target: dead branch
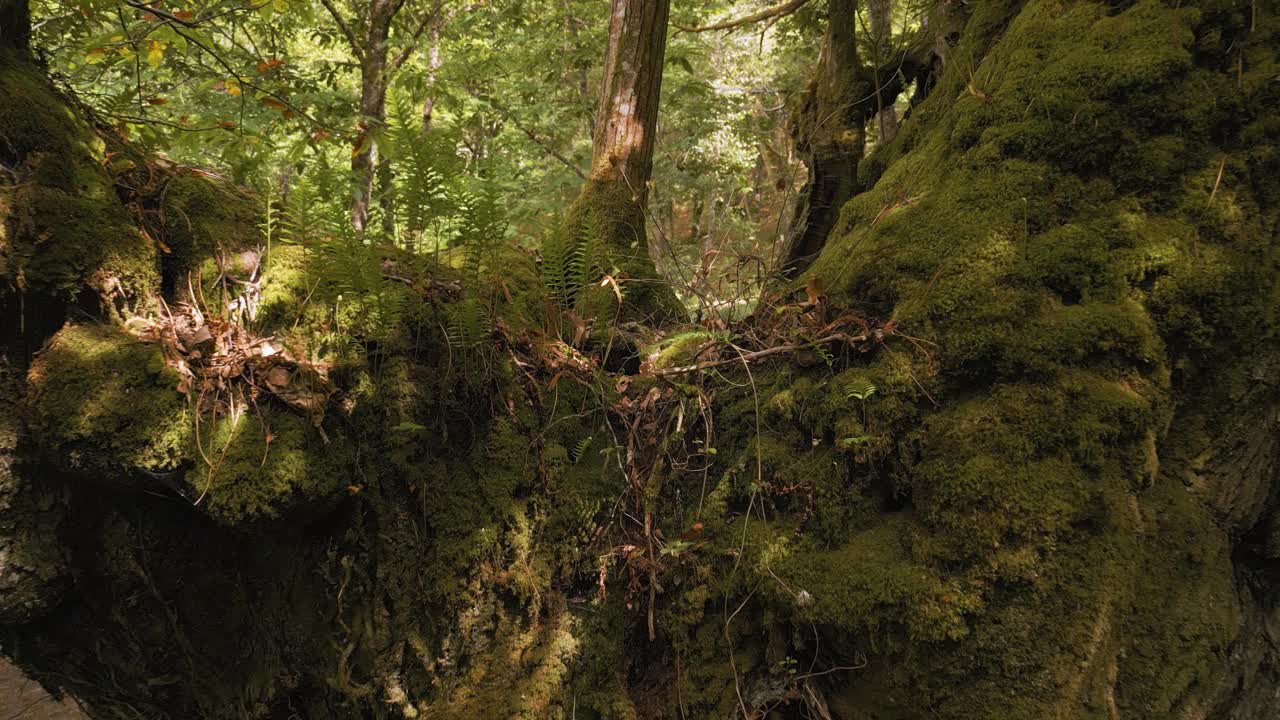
(770, 13)
(759, 354)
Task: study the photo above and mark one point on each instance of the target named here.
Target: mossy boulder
(106, 407)
(1064, 249)
(1038, 497)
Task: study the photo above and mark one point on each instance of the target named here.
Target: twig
(1221, 167)
(772, 12)
(758, 354)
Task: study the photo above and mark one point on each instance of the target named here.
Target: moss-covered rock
(107, 408)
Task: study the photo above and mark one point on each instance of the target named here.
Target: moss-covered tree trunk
(15, 25)
(610, 212)
(1047, 487)
(830, 133)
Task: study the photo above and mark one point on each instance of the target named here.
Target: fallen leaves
(223, 365)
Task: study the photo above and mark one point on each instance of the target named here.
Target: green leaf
(155, 53)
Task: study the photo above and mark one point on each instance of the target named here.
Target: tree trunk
(373, 109)
(829, 128)
(15, 25)
(880, 13)
(433, 67)
(627, 117)
(611, 207)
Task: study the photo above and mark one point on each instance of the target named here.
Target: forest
(640, 359)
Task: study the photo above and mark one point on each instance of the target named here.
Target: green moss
(1000, 529)
(1183, 613)
(65, 228)
(867, 583)
(107, 407)
(80, 240)
(285, 287)
(262, 464)
(38, 125)
(204, 218)
(1048, 221)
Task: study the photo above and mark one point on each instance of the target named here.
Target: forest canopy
(486, 99)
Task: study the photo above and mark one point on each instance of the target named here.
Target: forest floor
(23, 698)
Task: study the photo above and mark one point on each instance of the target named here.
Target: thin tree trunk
(373, 109)
(830, 132)
(433, 67)
(580, 72)
(881, 17)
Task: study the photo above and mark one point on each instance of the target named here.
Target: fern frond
(860, 388)
(580, 449)
(468, 324)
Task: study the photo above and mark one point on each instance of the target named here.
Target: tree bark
(15, 25)
(611, 205)
(880, 13)
(829, 128)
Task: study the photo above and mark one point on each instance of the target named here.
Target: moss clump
(284, 287)
(64, 226)
(81, 240)
(869, 584)
(39, 127)
(204, 219)
(106, 406)
(523, 675)
(260, 465)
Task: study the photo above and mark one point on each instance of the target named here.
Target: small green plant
(860, 389)
(468, 324)
(576, 453)
(564, 268)
(676, 548)
(423, 192)
(482, 227)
